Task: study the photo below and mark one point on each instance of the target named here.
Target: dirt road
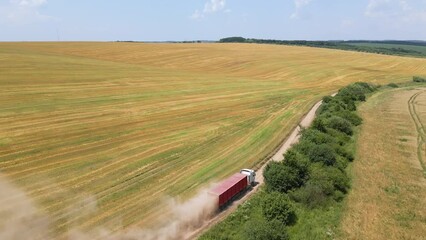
(294, 136)
(278, 156)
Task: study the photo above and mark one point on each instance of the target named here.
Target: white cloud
(197, 14)
(23, 12)
(214, 6)
(377, 8)
(211, 6)
(397, 10)
(299, 4)
(29, 3)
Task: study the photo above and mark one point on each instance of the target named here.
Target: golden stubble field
(388, 198)
(104, 133)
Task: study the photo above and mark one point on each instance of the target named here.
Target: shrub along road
(311, 182)
(290, 140)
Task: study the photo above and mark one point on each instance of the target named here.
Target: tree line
(341, 45)
(312, 176)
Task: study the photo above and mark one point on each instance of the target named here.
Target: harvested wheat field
(102, 134)
(388, 198)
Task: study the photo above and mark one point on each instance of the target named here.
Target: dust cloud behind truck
(232, 186)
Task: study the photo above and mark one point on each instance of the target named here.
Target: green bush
(356, 91)
(418, 79)
(336, 104)
(346, 98)
(339, 103)
(340, 124)
(393, 85)
(316, 136)
(350, 105)
(322, 153)
(281, 177)
(277, 206)
(319, 124)
(287, 175)
(338, 196)
(324, 175)
(327, 99)
(298, 162)
(367, 88)
(352, 117)
(341, 138)
(344, 153)
(325, 183)
(341, 163)
(304, 146)
(311, 137)
(262, 230)
(353, 93)
(340, 179)
(312, 195)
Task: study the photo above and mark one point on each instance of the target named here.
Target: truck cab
(251, 176)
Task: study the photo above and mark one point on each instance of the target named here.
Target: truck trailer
(232, 186)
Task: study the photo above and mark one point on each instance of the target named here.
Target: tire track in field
(66, 152)
(131, 202)
(421, 138)
(74, 179)
(93, 121)
(26, 162)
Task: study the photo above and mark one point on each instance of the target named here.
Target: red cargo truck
(235, 184)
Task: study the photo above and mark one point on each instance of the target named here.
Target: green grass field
(389, 186)
(130, 125)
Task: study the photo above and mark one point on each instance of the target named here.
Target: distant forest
(401, 48)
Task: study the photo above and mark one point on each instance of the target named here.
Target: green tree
(299, 162)
(325, 184)
(340, 124)
(418, 79)
(352, 117)
(323, 153)
(289, 174)
(316, 136)
(280, 177)
(277, 206)
(261, 230)
(233, 40)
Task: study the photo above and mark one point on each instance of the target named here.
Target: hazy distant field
(420, 49)
(127, 125)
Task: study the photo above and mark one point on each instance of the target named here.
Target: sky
(180, 20)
